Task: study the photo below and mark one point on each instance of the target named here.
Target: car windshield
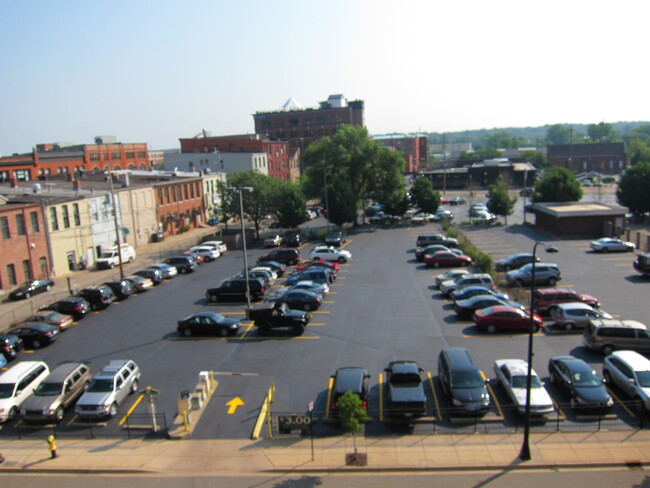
(6, 390)
(644, 378)
(586, 379)
(519, 381)
(100, 386)
(49, 389)
(406, 379)
(467, 379)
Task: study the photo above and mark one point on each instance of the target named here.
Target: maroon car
(446, 259)
(505, 317)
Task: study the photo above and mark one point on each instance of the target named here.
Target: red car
(333, 265)
(505, 317)
(446, 259)
(200, 259)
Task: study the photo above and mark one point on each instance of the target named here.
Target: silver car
(108, 389)
(576, 315)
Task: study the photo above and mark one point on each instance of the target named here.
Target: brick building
(606, 158)
(414, 148)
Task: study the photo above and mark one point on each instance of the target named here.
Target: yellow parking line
(381, 397)
(329, 397)
(557, 407)
(618, 400)
(279, 338)
(320, 311)
(72, 420)
(135, 404)
(435, 396)
(496, 401)
(618, 258)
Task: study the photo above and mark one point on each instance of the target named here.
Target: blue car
(472, 291)
(321, 275)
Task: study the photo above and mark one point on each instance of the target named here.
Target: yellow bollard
(186, 421)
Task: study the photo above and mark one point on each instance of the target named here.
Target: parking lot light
(524, 454)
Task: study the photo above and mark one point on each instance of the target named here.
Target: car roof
(400, 367)
(637, 361)
(349, 378)
(574, 306)
(515, 366)
(502, 308)
(573, 363)
(543, 291)
(62, 371)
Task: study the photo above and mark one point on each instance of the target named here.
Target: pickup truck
(109, 257)
(279, 315)
(406, 397)
(642, 264)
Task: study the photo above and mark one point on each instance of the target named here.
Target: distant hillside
(529, 135)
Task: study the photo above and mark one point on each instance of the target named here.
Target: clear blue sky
(154, 71)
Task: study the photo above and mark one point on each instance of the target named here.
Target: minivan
(630, 371)
(17, 384)
(608, 335)
(463, 381)
(60, 389)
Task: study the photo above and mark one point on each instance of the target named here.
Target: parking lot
(382, 307)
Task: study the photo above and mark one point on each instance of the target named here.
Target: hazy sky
(154, 71)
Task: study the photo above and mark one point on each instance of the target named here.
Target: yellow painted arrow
(233, 404)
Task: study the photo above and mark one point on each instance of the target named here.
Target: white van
(17, 384)
(109, 257)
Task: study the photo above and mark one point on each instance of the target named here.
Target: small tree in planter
(352, 414)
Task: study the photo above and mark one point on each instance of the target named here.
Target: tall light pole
(524, 454)
(243, 235)
(327, 203)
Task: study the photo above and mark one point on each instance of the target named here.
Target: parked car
(575, 315)
(332, 266)
(513, 377)
(483, 217)
(429, 239)
(406, 397)
(155, 275)
(327, 253)
(123, 289)
(463, 382)
(279, 268)
(479, 279)
(477, 208)
(10, 345)
(611, 244)
(547, 299)
(642, 264)
(167, 270)
(288, 256)
(268, 270)
(336, 238)
(30, 288)
(59, 320)
(218, 245)
(199, 258)
(274, 241)
(209, 253)
(443, 215)
(98, 297)
(59, 389)
(140, 283)
(609, 335)
(207, 323)
(36, 334)
(505, 318)
(515, 261)
(466, 308)
(352, 379)
(545, 274)
(297, 299)
(76, 306)
(108, 389)
(452, 274)
(474, 290)
(263, 275)
(17, 384)
(576, 379)
(446, 259)
(421, 252)
(630, 371)
(321, 275)
(294, 240)
(184, 264)
(235, 289)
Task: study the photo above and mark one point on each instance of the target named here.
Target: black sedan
(154, 275)
(75, 306)
(31, 288)
(515, 261)
(576, 379)
(36, 334)
(300, 300)
(207, 323)
(466, 308)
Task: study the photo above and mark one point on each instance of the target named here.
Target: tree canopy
(499, 203)
(558, 185)
(288, 203)
(633, 188)
(601, 132)
(256, 203)
(423, 196)
(558, 134)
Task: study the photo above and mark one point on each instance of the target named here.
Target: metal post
(117, 228)
(243, 233)
(327, 203)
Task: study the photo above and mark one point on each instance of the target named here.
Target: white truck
(109, 257)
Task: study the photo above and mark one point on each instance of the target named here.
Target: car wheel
(187, 332)
(608, 377)
(134, 386)
(111, 265)
(491, 328)
(94, 307)
(536, 328)
(112, 411)
(569, 326)
(436, 265)
(519, 283)
(13, 413)
(605, 250)
(214, 298)
(223, 332)
(306, 307)
(551, 281)
(506, 268)
(607, 349)
(48, 287)
(58, 414)
(36, 343)
(183, 270)
(298, 329)
(265, 328)
(27, 295)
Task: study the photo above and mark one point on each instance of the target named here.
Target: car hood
(471, 395)
(228, 322)
(92, 398)
(594, 394)
(539, 397)
(35, 402)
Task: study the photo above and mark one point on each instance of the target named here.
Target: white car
(272, 273)
(208, 253)
(218, 245)
(330, 254)
(610, 244)
(512, 374)
(274, 241)
(452, 274)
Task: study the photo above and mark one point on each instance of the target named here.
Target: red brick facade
(179, 205)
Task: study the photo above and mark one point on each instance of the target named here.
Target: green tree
(536, 158)
(500, 140)
(257, 202)
(633, 187)
(423, 196)
(639, 151)
(288, 203)
(558, 185)
(601, 132)
(499, 203)
(387, 185)
(351, 414)
(558, 134)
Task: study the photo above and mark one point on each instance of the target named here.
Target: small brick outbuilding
(580, 219)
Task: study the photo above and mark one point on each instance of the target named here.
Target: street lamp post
(243, 236)
(327, 203)
(524, 454)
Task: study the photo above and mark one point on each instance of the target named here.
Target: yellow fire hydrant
(51, 442)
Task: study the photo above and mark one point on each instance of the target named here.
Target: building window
(94, 156)
(11, 274)
(142, 155)
(20, 224)
(192, 190)
(42, 262)
(54, 220)
(27, 270)
(167, 200)
(75, 214)
(34, 218)
(130, 155)
(66, 217)
(115, 156)
(185, 192)
(4, 223)
(160, 196)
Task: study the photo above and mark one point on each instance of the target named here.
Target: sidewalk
(404, 453)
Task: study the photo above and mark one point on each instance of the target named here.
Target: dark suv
(351, 379)
(184, 264)
(336, 239)
(235, 289)
(287, 256)
(10, 346)
(515, 261)
(122, 288)
(546, 298)
(99, 297)
(75, 306)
